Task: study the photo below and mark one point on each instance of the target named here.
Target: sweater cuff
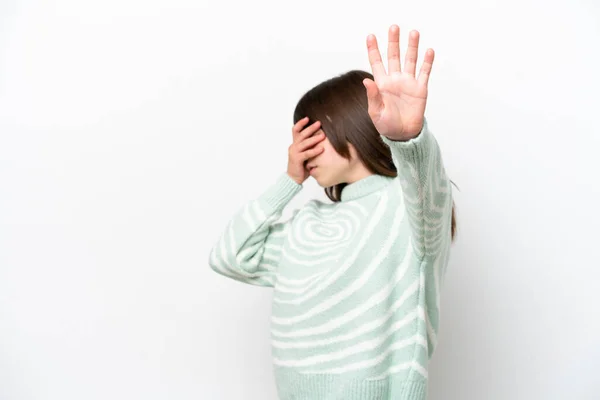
(280, 193)
(412, 150)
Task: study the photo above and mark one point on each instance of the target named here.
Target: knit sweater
(356, 283)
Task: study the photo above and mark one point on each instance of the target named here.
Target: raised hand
(397, 99)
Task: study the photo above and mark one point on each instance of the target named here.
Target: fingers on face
(309, 154)
(301, 132)
(306, 137)
(299, 125)
(311, 141)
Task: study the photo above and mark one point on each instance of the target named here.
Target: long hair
(341, 105)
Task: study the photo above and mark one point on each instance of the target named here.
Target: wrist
(408, 134)
(297, 180)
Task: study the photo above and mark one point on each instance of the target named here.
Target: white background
(131, 131)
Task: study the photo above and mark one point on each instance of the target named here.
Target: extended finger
(375, 58)
(410, 60)
(374, 99)
(426, 67)
(394, 49)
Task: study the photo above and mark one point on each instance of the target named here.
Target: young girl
(356, 283)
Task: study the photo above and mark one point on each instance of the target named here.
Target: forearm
(250, 244)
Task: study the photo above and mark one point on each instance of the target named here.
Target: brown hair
(343, 99)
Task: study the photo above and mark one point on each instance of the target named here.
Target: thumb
(374, 97)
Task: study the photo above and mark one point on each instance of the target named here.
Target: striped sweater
(356, 283)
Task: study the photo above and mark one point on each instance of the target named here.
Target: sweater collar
(364, 186)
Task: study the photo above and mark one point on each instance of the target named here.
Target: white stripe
(416, 339)
(345, 224)
(283, 289)
(298, 282)
(317, 261)
(246, 215)
(258, 211)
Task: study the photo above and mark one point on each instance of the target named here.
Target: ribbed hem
(412, 149)
(280, 193)
(296, 386)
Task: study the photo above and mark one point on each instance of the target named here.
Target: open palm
(397, 99)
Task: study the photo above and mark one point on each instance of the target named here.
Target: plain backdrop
(131, 131)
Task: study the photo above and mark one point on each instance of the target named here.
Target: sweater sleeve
(426, 188)
(250, 247)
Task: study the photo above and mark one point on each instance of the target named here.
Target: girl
(356, 283)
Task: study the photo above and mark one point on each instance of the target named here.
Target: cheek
(327, 157)
(332, 158)
(329, 152)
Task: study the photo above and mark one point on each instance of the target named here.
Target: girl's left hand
(397, 99)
